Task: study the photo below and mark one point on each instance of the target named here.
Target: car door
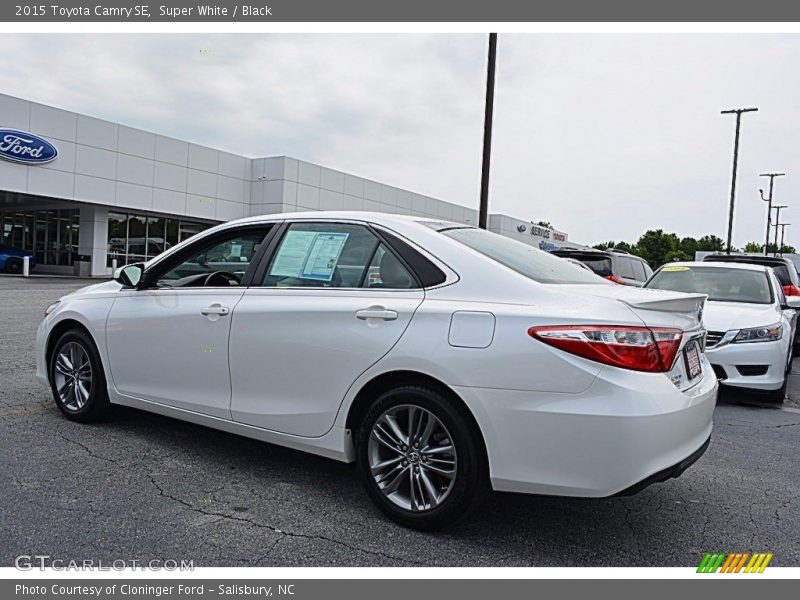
(168, 342)
(330, 300)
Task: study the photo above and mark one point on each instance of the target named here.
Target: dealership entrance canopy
(81, 193)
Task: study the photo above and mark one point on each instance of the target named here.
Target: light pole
(777, 220)
(768, 200)
(738, 112)
(483, 209)
(783, 231)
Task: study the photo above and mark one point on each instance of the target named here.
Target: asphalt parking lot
(142, 487)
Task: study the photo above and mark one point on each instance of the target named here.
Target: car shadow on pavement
(221, 475)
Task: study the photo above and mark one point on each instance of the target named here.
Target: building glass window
(52, 235)
(137, 238)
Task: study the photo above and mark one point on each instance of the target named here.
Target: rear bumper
(733, 357)
(628, 428)
(668, 473)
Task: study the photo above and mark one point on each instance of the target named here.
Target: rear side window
(522, 258)
(638, 270)
(625, 267)
(782, 271)
(335, 255)
(387, 272)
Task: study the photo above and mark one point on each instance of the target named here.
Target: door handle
(376, 312)
(215, 309)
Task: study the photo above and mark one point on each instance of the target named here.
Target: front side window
(220, 262)
(522, 258)
(721, 284)
(336, 255)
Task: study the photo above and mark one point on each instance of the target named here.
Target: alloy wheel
(73, 376)
(412, 457)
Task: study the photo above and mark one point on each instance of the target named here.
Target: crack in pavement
(274, 529)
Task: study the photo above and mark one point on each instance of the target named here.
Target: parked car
(11, 260)
(783, 267)
(785, 271)
(615, 265)
(750, 322)
(441, 358)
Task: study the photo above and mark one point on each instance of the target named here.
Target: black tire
(14, 266)
(471, 483)
(97, 406)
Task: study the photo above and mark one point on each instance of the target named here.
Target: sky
(603, 135)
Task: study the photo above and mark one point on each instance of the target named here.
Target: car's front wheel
(77, 379)
(421, 458)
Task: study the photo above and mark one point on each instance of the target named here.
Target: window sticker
(309, 255)
(676, 268)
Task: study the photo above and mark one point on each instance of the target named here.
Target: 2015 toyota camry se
(443, 359)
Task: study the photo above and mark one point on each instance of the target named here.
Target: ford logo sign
(23, 147)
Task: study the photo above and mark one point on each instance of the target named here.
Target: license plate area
(691, 357)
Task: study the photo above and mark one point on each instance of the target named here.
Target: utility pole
(777, 220)
(783, 231)
(738, 112)
(768, 200)
(483, 211)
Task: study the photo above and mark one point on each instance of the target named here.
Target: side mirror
(130, 275)
(793, 302)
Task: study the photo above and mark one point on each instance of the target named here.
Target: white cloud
(604, 135)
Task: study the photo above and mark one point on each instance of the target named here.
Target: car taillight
(615, 279)
(651, 349)
(790, 290)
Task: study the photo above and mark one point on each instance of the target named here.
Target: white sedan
(751, 324)
(445, 360)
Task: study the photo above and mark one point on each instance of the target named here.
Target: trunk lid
(656, 308)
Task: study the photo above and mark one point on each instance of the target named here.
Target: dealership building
(80, 192)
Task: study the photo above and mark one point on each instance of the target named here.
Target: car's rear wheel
(421, 458)
(14, 266)
(77, 379)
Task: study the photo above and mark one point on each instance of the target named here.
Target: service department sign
(26, 148)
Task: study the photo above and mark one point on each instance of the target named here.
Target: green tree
(688, 246)
(655, 245)
(773, 249)
(753, 247)
(604, 245)
(710, 243)
(625, 246)
(677, 255)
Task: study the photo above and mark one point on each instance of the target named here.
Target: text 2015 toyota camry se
(445, 360)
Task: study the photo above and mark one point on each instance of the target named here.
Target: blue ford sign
(23, 147)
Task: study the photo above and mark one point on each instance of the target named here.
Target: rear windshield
(522, 258)
(599, 264)
(781, 269)
(719, 283)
